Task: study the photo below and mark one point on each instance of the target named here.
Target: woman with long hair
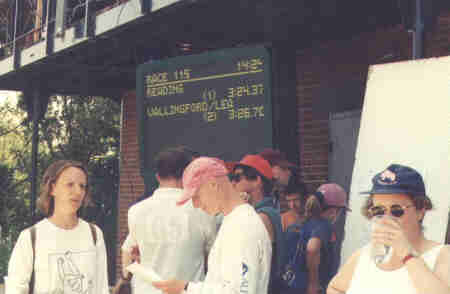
(62, 253)
(318, 232)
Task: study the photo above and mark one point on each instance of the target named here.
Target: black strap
(319, 195)
(33, 246)
(94, 233)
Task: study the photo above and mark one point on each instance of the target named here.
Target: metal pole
(15, 27)
(419, 32)
(34, 149)
(47, 15)
(86, 19)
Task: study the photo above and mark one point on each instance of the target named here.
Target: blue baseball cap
(398, 179)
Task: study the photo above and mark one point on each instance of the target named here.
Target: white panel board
(33, 53)
(117, 16)
(67, 40)
(7, 65)
(158, 4)
(406, 120)
(125, 13)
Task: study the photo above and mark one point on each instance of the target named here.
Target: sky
(4, 95)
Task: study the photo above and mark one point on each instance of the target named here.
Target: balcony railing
(44, 16)
(77, 11)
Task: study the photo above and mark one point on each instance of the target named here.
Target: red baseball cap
(199, 171)
(257, 162)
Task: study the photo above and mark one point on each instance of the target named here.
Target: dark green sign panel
(217, 103)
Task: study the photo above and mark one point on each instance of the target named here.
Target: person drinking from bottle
(416, 265)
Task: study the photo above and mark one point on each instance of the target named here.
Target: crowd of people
(248, 227)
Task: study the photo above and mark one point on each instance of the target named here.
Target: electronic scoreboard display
(217, 103)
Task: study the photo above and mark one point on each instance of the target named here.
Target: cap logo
(387, 178)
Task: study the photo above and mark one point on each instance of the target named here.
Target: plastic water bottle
(380, 253)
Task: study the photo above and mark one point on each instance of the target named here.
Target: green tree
(13, 206)
(13, 215)
(86, 129)
(79, 128)
(76, 128)
(11, 129)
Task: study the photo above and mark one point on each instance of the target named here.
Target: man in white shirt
(172, 240)
(239, 261)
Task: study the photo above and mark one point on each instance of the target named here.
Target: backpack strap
(33, 247)
(278, 254)
(93, 232)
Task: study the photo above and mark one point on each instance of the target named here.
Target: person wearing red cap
(253, 175)
(239, 261)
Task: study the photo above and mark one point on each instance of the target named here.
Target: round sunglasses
(237, 176)
(396, 210)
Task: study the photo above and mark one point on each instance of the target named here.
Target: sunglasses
(238, 176)
(396, 210)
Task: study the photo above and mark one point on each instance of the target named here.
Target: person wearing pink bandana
(239, 261)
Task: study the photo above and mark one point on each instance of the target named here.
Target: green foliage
(6, 246)
(10, 130)
(104, 188)
(13, 212)
(79, 128)
(86, 129)
(13, 216)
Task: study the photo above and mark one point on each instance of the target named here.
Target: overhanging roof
(105, 64)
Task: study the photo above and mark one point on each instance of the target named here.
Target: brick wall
(318, 65)
(438, 41)
(334, 61)
(131, 182)
(329, 63)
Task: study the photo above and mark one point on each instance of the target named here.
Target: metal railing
(74, 14)
(77, 11)
(105, 5)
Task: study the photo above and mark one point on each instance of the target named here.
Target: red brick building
(327, 47)
(323, 63)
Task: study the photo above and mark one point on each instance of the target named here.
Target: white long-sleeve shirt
(173, 240)
(240, 259)
(66, 261)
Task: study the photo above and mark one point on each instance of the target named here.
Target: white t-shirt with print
(173, 240)
(240, 259)
(66, 261)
